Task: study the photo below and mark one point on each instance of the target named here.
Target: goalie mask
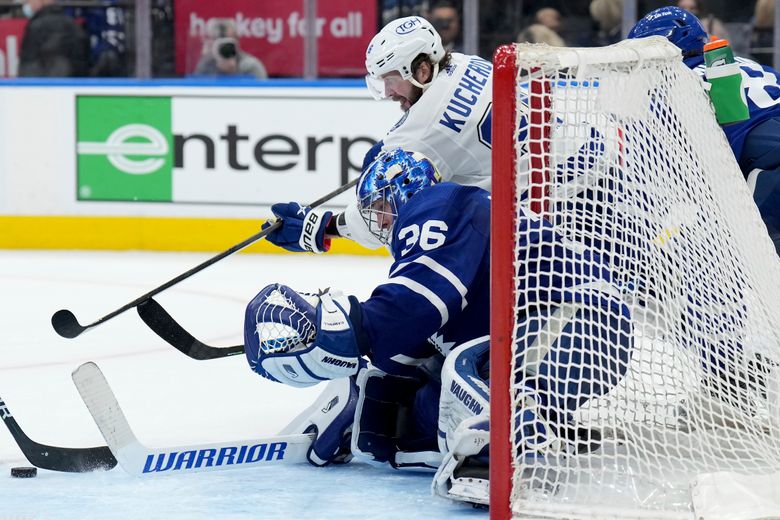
(676, 25)
(395, 47)
(387, 184)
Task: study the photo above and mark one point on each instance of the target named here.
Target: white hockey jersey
(451, 125)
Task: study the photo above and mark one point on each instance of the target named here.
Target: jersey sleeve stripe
(442, 271)
(426, 293)
(447, 274)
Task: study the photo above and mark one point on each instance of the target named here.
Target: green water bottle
(725, 79)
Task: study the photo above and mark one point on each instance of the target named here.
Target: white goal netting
(625, 158)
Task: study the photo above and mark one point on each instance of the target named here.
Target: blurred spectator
(392, 9)
(551, 18)
(105, 28)
(538, 33)
(608, 15)
(222, 55)
(712, 25)
(446, 20)
(762, 39)
(53, 44)
(163, 55)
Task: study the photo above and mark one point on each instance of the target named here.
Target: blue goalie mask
(388, 183)
(676, 25)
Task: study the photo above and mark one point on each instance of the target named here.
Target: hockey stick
(139, 460)
(67, 326)
(163, 324)
(55, 458)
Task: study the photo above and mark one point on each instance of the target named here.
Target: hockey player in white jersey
(446, 100)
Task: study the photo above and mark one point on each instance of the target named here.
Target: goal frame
(526, 176)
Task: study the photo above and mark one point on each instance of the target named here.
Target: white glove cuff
(311, 226)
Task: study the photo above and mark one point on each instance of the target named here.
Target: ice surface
(169, 398)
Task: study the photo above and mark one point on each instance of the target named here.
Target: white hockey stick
(139, 460)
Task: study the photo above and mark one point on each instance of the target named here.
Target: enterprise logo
(142, 141)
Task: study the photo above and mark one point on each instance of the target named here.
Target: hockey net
(618, 148)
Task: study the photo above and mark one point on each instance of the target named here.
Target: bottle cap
(716, 44)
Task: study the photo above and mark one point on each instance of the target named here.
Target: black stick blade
(56, 458)
(163, 324)
(65, 324)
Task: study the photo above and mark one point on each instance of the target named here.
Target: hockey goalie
(408, 368)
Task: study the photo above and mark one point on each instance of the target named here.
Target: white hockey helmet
(395, 47)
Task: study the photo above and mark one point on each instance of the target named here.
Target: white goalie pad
(463, 393)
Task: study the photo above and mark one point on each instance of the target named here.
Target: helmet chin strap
(433, 77)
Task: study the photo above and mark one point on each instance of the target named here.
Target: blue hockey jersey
(762, 92)
(437, 295)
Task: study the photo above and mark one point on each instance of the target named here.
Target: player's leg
(463, 426)
(765, 185)
(330, 419)
(568, 354)
(395, 419)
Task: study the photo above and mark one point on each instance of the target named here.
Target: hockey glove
(301, 230)
(290, 341)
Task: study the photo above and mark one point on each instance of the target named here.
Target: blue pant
(762, 150)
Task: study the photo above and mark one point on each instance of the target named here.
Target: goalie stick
(163, 324)
(55, 458)
(139, 460)
(66, 325)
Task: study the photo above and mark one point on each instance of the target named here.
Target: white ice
(170, 399)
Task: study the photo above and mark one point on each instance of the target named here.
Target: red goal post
(503, 238)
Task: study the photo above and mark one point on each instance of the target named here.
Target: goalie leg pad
(395, 420)
(333, 423)
(465, 391)
(464, 473)
(330, 419)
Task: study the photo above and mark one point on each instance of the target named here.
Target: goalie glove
(301, 230)
(290, 340)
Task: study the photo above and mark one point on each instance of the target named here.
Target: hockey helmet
(395, 47)
(388, 183)
(676, 25)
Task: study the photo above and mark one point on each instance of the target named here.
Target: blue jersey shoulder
(761, 85)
